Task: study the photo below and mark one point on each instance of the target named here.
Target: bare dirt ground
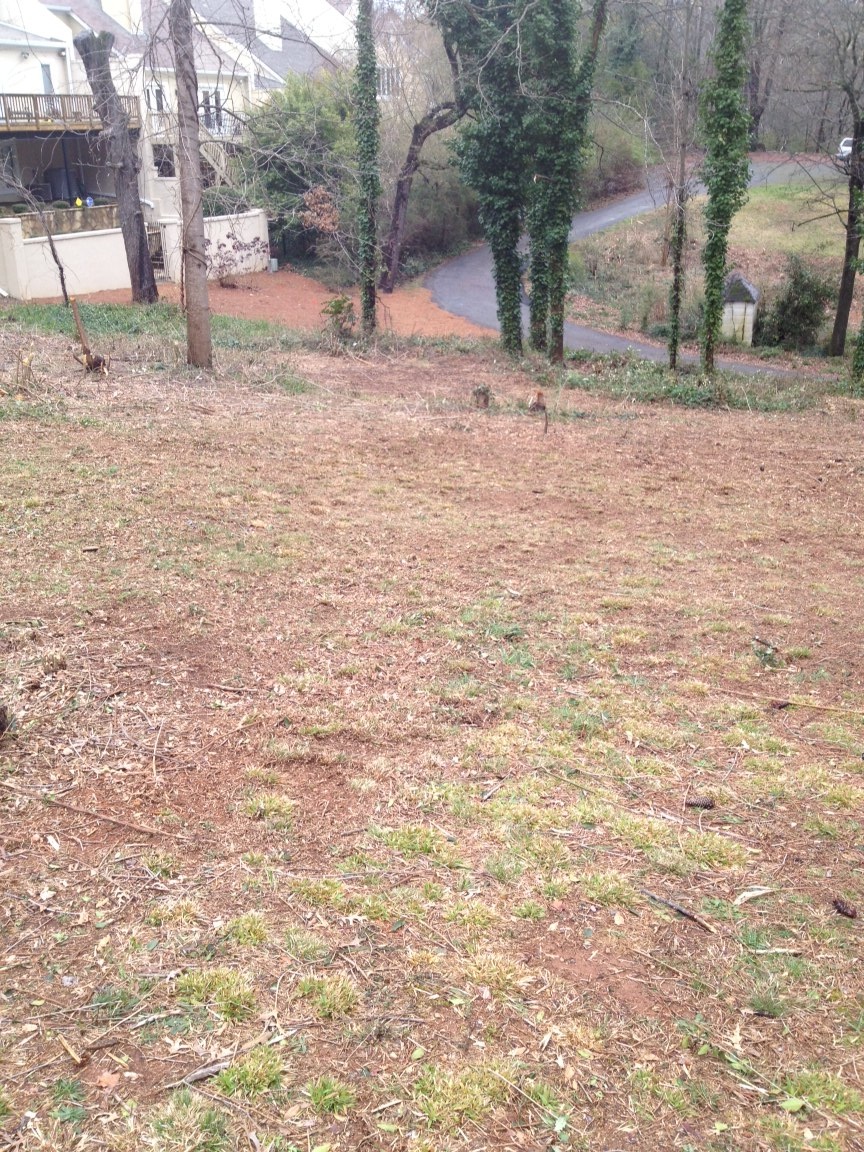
(365, 744)
(288, 298)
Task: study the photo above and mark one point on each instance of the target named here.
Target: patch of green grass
(530, 910)
(583, 722)
(607, 889)
(505, 867)
(248, 930)
(322, 893)
(161, 864)
(330, 1097)
(448, 1098)
(186, 1123)
(257, 1072)
(275, 810)
(330, 995)
(786, 1134)
(42, 412)
(172, 912)
(293, 385)
(553, 1109)
(5, 1106)
(498, 972)
(471, 913)
(825, 1091)
(104, 321)
(650, 383)
(765, 1001)
(227, 991)
(114, 1001)
(414, 840)
(712, 850)
(305, 945)
(64, 1091)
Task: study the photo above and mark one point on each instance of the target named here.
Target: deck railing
(219, 124)
(37, 113)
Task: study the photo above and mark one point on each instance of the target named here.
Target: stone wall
(63, 221)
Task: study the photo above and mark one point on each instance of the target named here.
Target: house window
(387, 82)
(211, 109)
(47, 81)
(163, 161)
(155, 98)
(8, 161)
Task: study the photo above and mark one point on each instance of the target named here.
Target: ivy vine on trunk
(366, 125)
(726, 170)
(556, 128)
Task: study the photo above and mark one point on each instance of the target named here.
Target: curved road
(465, 285)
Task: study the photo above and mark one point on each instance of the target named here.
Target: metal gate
(156, 247)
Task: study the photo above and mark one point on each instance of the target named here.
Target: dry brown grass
(481, 671)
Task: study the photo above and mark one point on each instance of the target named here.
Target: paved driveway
(465, 285)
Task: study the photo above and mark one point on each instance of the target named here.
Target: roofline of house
(26, 45)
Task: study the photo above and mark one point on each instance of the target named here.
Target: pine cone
(699, 802)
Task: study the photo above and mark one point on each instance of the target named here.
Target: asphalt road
(465, 285)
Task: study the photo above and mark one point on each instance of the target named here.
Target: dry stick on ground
(776, 700)
(94, 815)
(681, 911)
(92, 361)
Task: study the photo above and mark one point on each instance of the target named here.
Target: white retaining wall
(96, 261)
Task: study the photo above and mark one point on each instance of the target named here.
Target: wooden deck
(36, 113)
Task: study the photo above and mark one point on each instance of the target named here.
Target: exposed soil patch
(352, 724)
(296, 301)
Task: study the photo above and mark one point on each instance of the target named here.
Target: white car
(845, 149)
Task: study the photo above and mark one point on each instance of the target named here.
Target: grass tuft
(188, 1123)
(248, 930)
(256, 1073)
(330, 1097)
(330, 995)
(448, 1098)
(226, 990)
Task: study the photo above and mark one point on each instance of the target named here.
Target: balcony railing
(36, 113)
(219, 124)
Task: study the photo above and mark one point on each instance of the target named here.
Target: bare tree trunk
(95, 52)
(853, 243)
(436, 120)
(33, 204)
(199, 346)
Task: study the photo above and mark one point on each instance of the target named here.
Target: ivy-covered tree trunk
(485, 34)
(682, 121)
(540, 275)
(578, 132)
(857, 388)
(676, 291)
(555, 129)
(726, 126)
(95, 52)
(853, 243)
(366, 123)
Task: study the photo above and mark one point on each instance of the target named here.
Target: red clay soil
(296, 301)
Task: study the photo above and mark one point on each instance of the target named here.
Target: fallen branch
(778, 702)
(94, 815)
(92, 361)
(207, 1071)
(681, 911)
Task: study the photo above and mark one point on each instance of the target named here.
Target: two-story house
(49, 132)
